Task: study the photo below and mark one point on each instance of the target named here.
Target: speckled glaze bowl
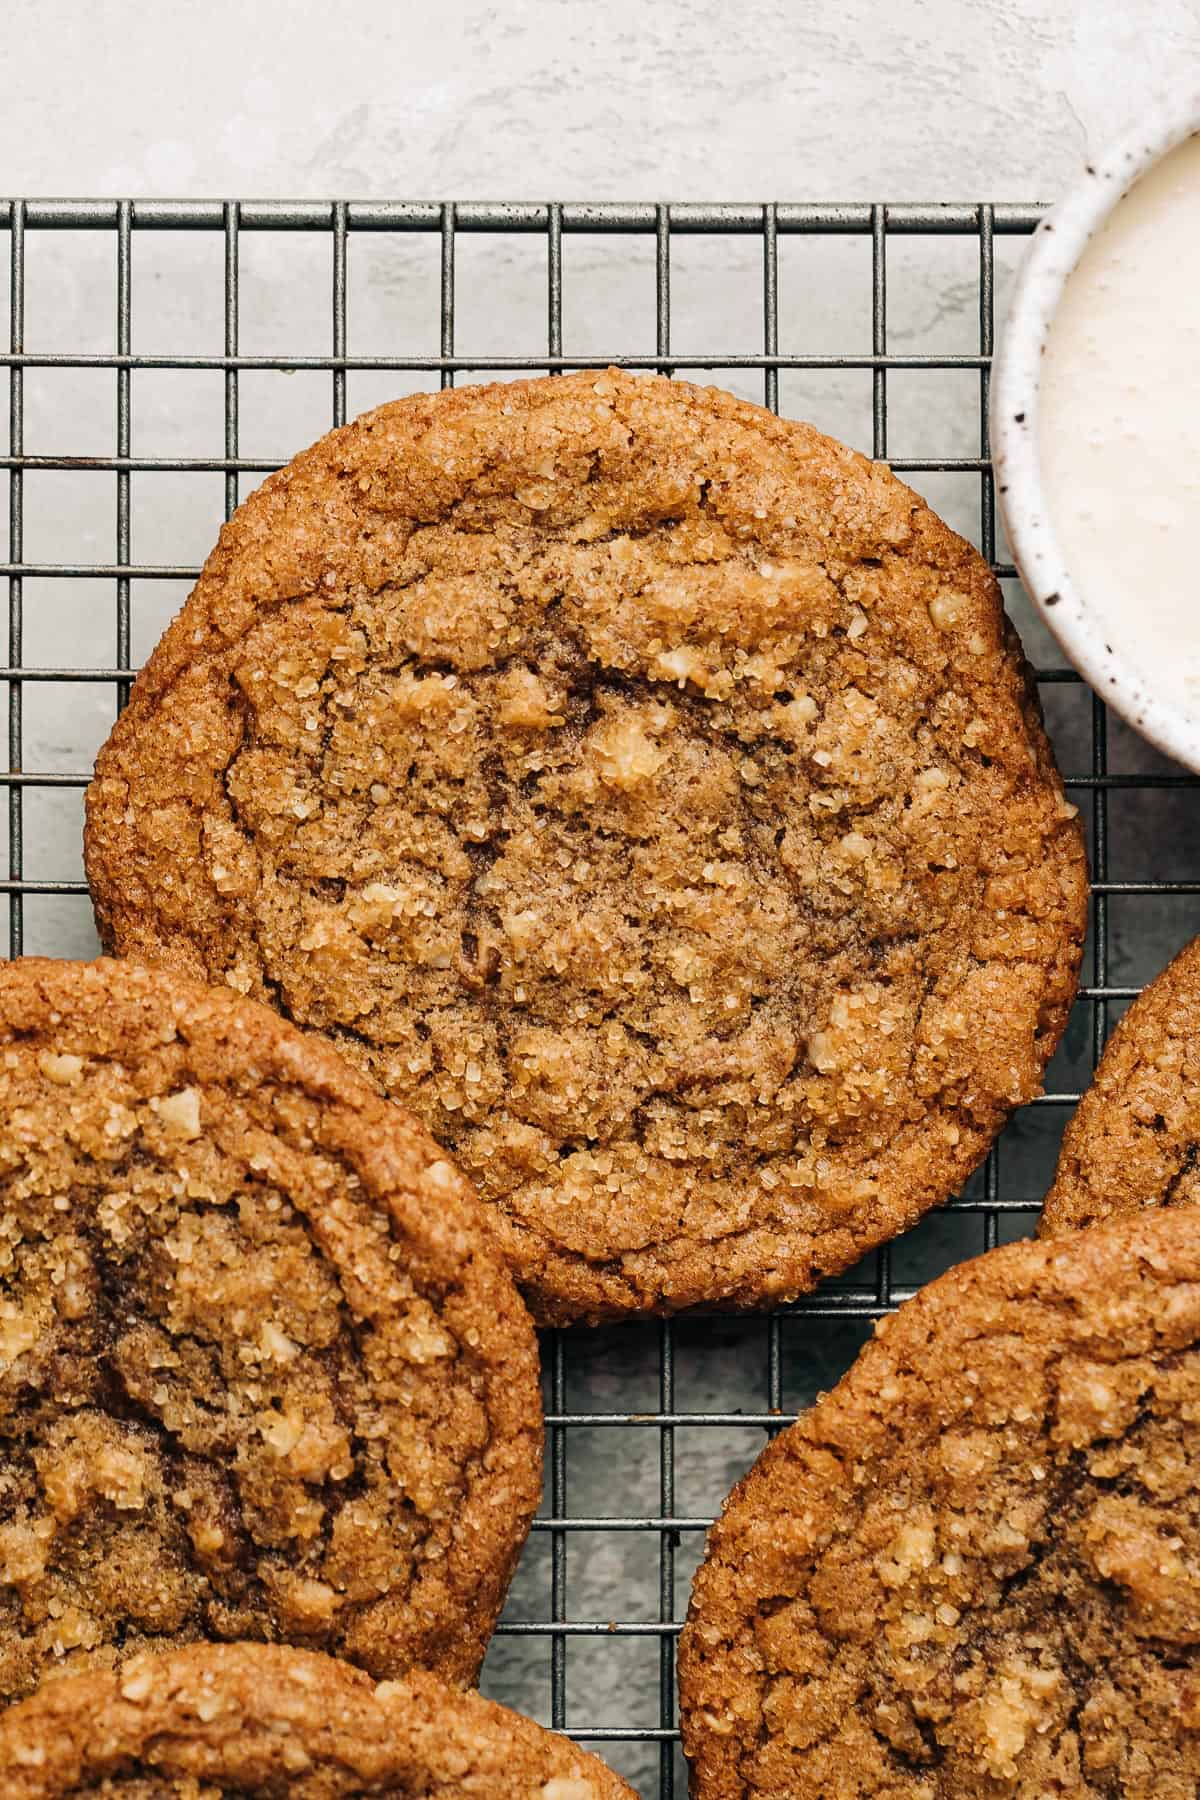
(1055, 249)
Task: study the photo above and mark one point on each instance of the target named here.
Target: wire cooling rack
(875, 321)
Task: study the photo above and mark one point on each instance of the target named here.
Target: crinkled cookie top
(973, 1569)
(647, 791)
(257, 1723)
(1134, 1139)
(261, 1372)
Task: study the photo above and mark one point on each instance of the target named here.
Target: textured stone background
(913, 100)
(685, 99)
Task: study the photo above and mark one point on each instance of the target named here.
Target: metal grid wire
(608, 1394)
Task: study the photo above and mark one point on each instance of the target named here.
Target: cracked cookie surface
(254, 1722)
(646, 790)
(261, 1372)
(973, 1568)
(1134, 1139)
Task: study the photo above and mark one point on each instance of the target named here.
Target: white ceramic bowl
(1055, 249)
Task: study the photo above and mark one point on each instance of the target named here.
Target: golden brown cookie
(973, 1569)
(1134, 1140)
(261, 1372)
(254, 1722)
(646, 790)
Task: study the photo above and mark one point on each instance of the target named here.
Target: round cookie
(1134, 1140)
(973, 1569)
(251, 1721)
(262, 1374)
(648, 791)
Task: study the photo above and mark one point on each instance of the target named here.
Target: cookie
(1134, 1140)
(262, 1374)
(646, 790)
(973, 1569)
(251, 1720)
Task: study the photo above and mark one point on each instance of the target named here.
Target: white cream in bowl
(1096, 430)
(1119, 425)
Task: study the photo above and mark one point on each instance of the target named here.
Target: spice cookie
(251, 1720)
(261, 1372)
(973, 1569)
(646, 790)
(1134, 1140)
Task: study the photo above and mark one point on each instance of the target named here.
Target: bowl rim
(1013, 411)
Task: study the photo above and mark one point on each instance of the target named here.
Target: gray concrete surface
(919, 99)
